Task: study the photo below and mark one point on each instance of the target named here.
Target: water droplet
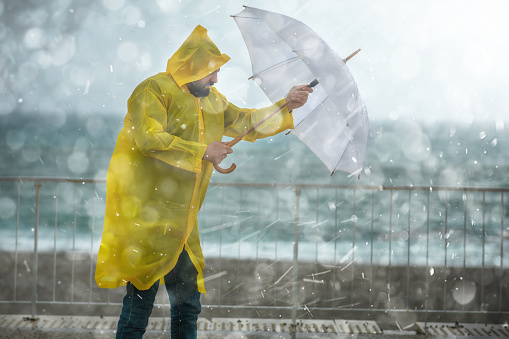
(464, 292)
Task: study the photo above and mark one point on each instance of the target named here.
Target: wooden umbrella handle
(233, 166)
(225, 171)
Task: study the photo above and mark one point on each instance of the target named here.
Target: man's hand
(298, 96)
(216, 152)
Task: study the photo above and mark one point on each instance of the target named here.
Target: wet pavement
(88, 327)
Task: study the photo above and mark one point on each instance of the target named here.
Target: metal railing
(330, 251)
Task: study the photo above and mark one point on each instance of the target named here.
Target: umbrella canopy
(284, 52)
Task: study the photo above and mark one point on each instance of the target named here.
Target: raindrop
(482, 135)
(113, 5)
(27, 72)
(15, 139)
(43, 58)
(26, 265)
(35, 38)
(127, 51)
(2, 31)
(78, 162)
(464, 292)
(131, 15)
(62, 49)
(31, 152)
(7, 208)
(8, 103)
(494, 142)
(382, 297)
(499, 125)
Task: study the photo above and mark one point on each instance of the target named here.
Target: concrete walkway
(46, 327)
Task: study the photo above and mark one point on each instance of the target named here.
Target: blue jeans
(185, 303)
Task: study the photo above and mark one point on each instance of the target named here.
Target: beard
(198, 90)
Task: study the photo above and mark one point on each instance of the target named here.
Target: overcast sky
(425, 60)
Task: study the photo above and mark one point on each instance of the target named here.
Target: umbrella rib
(296, 58)
(308, 115)
(245, 17)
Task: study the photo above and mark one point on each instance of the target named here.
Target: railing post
(295, 278)
(36, 254)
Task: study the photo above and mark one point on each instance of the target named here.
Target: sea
(400, 153)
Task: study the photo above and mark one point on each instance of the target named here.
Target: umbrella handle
(225, 171)
(233, 166)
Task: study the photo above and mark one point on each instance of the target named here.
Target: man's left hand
(298, 96)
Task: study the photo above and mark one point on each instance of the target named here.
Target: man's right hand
(216, 152)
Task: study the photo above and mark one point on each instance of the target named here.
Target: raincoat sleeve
(238, 120)
(148, 110)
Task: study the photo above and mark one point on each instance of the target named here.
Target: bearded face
(201, 88)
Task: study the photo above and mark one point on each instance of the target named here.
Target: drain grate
(303, 326)
(106, 324)
(477, 330)
(216, 324)
(358, 327)
(59, 322)
(272, 325)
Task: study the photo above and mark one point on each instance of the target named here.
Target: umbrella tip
(351, 55)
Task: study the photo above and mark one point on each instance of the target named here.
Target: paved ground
(46, 327)
(45, 334)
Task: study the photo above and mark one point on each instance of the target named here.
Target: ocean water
(400, 153)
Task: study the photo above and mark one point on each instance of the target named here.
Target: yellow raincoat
(156, 179)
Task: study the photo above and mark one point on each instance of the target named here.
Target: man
(158, 177)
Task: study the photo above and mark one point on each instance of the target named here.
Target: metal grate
(59, 322)
(109, 324)
(216, 324)
(476, 330)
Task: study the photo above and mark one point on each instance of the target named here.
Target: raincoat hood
(196, 58)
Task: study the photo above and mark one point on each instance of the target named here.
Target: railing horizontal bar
(303, 308)
(364, 187)
(283, 308)
(283, 185)
(53, 179)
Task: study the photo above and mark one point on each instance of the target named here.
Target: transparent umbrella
(284, 52)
